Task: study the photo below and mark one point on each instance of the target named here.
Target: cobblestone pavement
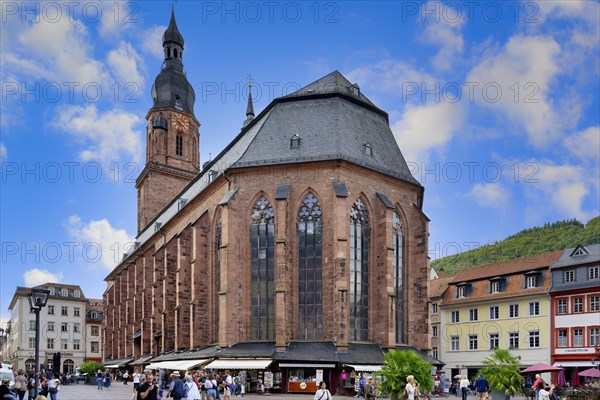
(118, 391)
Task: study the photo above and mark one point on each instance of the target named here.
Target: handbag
(53, 390)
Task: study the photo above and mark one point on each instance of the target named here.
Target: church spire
(172, 34)
(250, 106)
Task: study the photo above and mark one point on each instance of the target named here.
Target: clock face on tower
(180, 122)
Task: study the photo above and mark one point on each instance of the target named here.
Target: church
(297, 253)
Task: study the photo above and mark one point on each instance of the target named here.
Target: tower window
(179, 144)
(168, 52)
(178, 103)
(175, 53)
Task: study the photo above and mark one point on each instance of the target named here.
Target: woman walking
(53, 385)
(323, 392)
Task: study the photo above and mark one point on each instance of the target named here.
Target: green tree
(398, 365)
(501, 369)
(91, 367)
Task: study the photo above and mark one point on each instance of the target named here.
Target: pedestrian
(176, 387)
(322, 393)
(136, 380)
(203, 390)
(107, 380)
(54, 387)
(464, 387)
(147, 390)
(369, 389)
(227, 383)
(545, 392)
(537, 385)
(5, 393)
(482, 387)
(125, 377)
(191, 392)
(20, 384)
(410, 388)
(99, 378)
(211, 387)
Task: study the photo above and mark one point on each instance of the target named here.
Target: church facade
(303, 241)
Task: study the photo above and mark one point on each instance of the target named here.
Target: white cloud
(423, 129)
(530, 62)
(117, 18)
(585, 144)
(109, 135)
(490, 195)
(3, 152)
(446, 34)
(61, 48)
(392, 76)
(105, 243)
(35, 277)
(152, 41)
(565, 187)
(125, 63)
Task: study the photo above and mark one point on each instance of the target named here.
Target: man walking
(482, 387)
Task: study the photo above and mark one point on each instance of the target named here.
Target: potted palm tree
(397, 366)
(501, 369)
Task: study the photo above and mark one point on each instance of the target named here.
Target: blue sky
(495, 106)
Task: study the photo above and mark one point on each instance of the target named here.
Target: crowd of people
(24, 387)
(198, 385)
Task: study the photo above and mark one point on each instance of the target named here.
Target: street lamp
(37, 300)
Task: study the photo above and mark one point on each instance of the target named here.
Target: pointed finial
(172, 33)
(250, 106)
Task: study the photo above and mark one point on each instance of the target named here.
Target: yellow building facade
(503, 305)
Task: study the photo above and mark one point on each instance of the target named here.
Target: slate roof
(308, 351)
(425, 356)
(334, 123)
(566, 260)
(248, 350)
(363, 354)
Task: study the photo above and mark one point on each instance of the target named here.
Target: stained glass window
(398, 244)
(310, 284)
(359, 271)
(262, 242)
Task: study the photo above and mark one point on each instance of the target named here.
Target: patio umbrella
(561, 378)
(575, 377)
(457, 376)
(540, 367)
(590, 373)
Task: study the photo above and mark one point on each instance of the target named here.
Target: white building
(62, 329)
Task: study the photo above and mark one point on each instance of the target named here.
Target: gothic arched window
(310, 265)
(398, 244)
(217, 266)
(359, 271)
(262, 245)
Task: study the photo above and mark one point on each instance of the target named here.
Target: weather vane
(249, 76)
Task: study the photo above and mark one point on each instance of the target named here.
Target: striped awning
(178, 365)
(305, 365)
(364, 368)
(239, 363)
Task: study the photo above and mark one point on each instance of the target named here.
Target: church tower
(172, 136)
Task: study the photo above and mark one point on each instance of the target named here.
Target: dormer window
(580, 251)
(569, 275)
(495, 287)
(462, 290)
(157, 226)
(295, 142)
(369, 149)
(181, 203)
(531, 281)
(212, 174)
(178, 104)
